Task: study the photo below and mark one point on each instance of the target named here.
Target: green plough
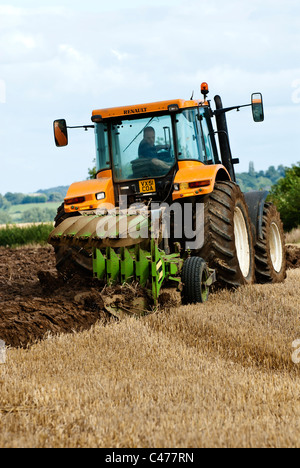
(126, 248)
(152, 267)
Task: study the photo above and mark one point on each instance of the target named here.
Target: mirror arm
(228, 109)
(84, 126)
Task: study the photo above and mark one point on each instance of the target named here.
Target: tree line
(261, 180)
(285, 194)
(10, 199)
(283, 184)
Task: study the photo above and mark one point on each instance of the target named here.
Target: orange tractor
(165, 206)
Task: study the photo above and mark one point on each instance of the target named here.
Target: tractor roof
(171, 105)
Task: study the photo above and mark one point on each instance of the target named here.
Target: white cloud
(28, 41)
(121, 56)
(13, 11)
(10, 10)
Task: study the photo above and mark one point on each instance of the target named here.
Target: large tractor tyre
(270, 251)
(195, 274)
(228, 241)
(71, 260)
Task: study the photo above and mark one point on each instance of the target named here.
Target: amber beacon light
(204, 89)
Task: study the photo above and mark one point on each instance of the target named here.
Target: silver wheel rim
(275, 247)
(241, 242)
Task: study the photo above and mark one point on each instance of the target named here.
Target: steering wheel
(164, 154)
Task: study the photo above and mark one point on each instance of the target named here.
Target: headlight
(176, 187)
(100, 196)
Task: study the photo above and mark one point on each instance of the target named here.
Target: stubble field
(223, 374)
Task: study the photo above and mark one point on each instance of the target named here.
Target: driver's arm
(159, 163)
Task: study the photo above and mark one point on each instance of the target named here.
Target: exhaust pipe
(224, 139)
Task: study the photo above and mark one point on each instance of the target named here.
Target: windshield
(142, 147)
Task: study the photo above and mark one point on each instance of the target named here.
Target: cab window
(194, 136)
(209, 154)
(102, 148)
(188, 136)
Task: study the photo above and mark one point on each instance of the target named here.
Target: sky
(63, 59)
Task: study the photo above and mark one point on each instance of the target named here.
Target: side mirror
(257, 107)
(60, 132)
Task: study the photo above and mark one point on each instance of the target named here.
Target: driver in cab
(148, 149)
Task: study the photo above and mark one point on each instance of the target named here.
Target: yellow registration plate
(147, 186)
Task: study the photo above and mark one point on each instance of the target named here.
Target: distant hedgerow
(15, 236)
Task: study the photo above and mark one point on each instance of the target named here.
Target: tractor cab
(145, 146)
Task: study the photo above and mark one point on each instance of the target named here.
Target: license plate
(147, 186)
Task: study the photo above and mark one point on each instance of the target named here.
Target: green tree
(92, 171)
(55, 197)
(4, 203)
(272, 174)
(14, 198)
(34, 199)
(281, 170)
(285, 194)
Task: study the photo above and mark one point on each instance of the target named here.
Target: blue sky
(62, 59)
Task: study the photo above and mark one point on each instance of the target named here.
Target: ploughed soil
(36, 301)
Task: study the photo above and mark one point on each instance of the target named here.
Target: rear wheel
(270, 253)
(228, 242)
(70, 260)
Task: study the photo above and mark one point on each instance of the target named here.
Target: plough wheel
(195, 274)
